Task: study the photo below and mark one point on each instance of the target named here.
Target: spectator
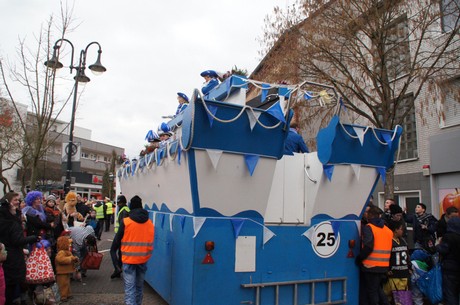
(3, 256)
(374, 258)
(136, 228)
(99, 207)
(442, 223)
(108, 213)
(35, 216)
(449, 250)
(424, 225)
(115, 254)
(211, 81)
(78, 236)
(294, 142)
(12, 236)
(398, 275)
(81, 207)
(386, 209)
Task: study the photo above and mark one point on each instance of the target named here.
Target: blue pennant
(387, 139)
(383, 173)
(264, 94)
(277, 112)
(335, 227)
(213, 110)
(328, 170)
(133, 169)
(251, 162)
(162, 220)
(182, 222)
(160, 153)
(237, 225)
(308, 95)
(179, 153)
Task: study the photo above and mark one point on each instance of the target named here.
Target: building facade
(427, 169)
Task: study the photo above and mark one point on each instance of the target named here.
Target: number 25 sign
(325, 242)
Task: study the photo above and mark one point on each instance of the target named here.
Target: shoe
(64, 300)
(83, 274)
(98, 238)
(115, 274)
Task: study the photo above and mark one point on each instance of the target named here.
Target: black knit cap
(135, 203)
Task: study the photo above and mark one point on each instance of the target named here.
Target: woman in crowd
(36, 216)
(11, 235)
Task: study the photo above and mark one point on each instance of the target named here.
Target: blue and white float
(236, 222)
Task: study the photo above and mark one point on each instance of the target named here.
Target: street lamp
(111, 179)
(80, 76)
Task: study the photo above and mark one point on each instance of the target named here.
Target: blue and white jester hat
(164, 129)
(152, 136)
(210, 73)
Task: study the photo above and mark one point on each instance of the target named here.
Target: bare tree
(31, 77)
(10, 142)
(380, 55)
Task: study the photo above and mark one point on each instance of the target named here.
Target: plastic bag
(430, 284)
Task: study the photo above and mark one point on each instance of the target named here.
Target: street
(98, 288)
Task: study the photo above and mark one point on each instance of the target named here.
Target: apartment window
(451, 103)
(84, 155)
(408, 147)
(396, 53)
(450, 14)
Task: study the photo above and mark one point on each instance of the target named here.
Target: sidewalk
(99, 289)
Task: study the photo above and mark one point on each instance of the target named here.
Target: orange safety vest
(137, 241)
(380, 255)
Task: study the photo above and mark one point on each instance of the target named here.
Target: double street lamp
(80, 76)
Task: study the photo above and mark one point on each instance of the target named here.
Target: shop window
(408, 147)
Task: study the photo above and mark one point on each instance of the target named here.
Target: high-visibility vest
(99, 211)
(117, 223)
(380, 255)
(109, 208)
(137, 241)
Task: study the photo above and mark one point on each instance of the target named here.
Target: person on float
(183, 102)
(210, 81)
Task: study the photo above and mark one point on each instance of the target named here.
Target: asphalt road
(99, 289)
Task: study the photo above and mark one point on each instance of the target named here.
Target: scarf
(30, 211)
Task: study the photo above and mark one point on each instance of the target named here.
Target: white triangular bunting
(268, 234)
(214, 156)
(360, 133)
(283, 103)
(310, 234)
(253, 116)
(358, 226)
(197, 224)
(171, 217)
(154, 214)
(356, 169)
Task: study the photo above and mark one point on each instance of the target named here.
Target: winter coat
(12, 236)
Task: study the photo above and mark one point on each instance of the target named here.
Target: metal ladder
(258, 287)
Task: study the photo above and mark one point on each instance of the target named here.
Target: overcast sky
(151, 49)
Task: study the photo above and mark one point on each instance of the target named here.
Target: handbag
(38, 267)
(92, 260)
(401, 297)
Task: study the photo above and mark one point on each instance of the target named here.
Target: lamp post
(111, 179)
(80, 76)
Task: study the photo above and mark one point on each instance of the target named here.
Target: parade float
(238, 222)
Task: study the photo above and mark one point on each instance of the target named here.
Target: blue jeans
(133, 276)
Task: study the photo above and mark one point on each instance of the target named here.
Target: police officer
(109, 213)
(115, 254)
